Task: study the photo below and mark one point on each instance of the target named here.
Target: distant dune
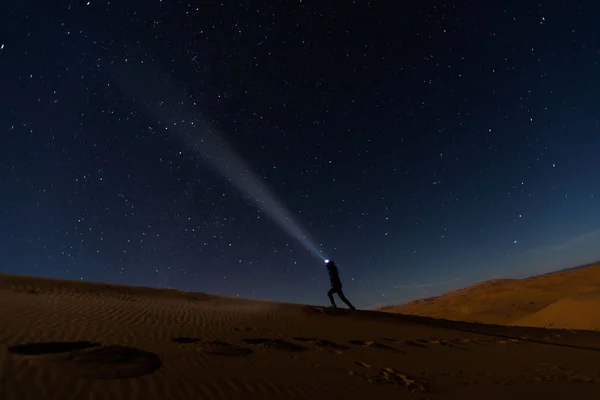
(568, 299)
(62, 340)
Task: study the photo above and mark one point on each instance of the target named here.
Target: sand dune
(577, 312)
(80, 340)
(568, 299)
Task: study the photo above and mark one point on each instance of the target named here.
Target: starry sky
(422, 146)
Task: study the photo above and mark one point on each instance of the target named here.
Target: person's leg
(344, 299)
(330, 294)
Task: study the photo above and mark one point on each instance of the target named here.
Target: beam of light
(166, 101)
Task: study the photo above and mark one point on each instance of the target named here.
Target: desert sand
(568, 299)
(81, 340)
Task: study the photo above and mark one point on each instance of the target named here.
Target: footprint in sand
(185, 340)
(327, 310)
(425, 343)
(324, 343)
(388, 375)
(47, 348)
(216, 347)
(220, 348)
(411, 343)
(414, 343)
(276, 344)
(508, 341)
(372, 344)
(461, 341)
(91, 360)
(436, 342)
(112, 362)
(486, 342)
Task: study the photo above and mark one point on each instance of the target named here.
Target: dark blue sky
(425, 147)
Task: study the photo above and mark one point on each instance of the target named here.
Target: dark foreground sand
(78, 340)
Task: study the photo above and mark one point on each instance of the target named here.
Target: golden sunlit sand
(80, 340)
(568, 299)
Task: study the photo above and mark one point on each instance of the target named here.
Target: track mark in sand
(185, 340)
(372, 344)
(216, 347)
(460, 341)
(111, 362)
(227, 349)
(455, 343)
(547, 372)
(436, 342)
(327, 310)
(91, 360)
(414, 343)
(323, 343)
(487, 342)
(507, 341)
(388, 376)
(277, 344)
(46, 348)
(422, 343)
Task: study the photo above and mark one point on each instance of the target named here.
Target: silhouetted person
(336, 285)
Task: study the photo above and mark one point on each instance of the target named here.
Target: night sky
(424, 147)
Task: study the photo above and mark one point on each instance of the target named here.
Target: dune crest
(567, 299)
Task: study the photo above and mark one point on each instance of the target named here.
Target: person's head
(330, 264)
